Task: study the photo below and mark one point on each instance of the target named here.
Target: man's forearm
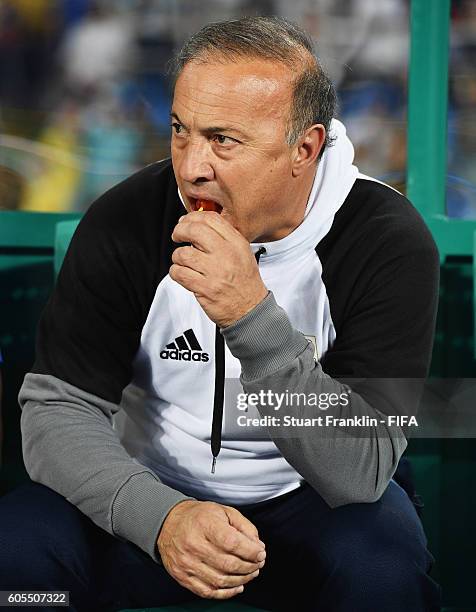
(343, 464)
(70, 446)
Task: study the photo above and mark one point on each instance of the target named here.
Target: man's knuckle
(174, 271)
(210, 219)
(230, 566)
(206, 592)
(217, 583)
(214, 291)
(193, 548)
(180, 562)
(208, 506)
(230, 542)
(180, 574)
(202, 522)
(188, 254)
(194, 232)
(215, 220)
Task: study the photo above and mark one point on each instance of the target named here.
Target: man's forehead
(244, 68)
(247, 85)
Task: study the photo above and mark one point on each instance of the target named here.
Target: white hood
(334, 179)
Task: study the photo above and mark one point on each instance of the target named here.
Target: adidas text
(185, 355)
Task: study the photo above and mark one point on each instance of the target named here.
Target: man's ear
(308, 148)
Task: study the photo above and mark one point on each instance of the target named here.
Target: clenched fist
(210, 549)
(219, 267)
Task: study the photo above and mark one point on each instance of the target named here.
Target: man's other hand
(219, 267)
(210, 549)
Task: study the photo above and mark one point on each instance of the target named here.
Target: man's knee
(39, 531)
(372, 562)
(373, 551)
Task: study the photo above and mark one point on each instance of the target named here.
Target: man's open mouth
(199, 204)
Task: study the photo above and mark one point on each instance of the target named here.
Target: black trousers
(355, 558)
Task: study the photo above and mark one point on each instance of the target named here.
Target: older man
(290, 271)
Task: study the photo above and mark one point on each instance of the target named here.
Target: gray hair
(275, 39)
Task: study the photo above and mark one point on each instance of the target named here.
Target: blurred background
(84, 102)
(85, 96)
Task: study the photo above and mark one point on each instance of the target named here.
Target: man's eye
(223, 139)
(177, 127)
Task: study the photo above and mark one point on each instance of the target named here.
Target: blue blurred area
(74, 11)
(85, 95)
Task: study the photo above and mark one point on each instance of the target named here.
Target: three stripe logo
(184, 348)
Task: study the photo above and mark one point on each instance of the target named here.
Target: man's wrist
(140, 508)
(264, 340)
(262, 296)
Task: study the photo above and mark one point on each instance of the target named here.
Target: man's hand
(219, 267)
(210, 549)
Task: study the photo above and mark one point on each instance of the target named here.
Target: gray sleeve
(344, 464)
(69, 445)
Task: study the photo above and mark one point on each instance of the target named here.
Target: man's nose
(195, 164)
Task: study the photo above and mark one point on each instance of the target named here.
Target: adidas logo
(184, 348)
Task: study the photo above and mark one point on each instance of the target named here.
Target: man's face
(229, 144)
